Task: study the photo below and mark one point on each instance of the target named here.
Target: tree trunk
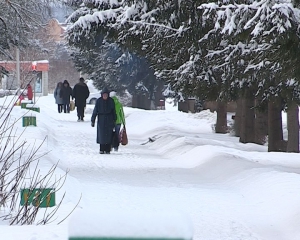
(276, 143)
(238, 118)
(183, 106)
(152, 105)
(261, 125)
(158, 94)
(293, 128)
(134, 101)
(221, 125)
(247, 133)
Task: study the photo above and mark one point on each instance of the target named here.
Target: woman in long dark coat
(66, 95)
(58, 96)
(106, 113)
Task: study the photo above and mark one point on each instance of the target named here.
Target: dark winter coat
(66, 92)
(106, 113)
(80, 93)
(58, 95)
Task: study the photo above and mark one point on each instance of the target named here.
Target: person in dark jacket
(58, 96)
(80, 93)
(66, 95)
(106, 113)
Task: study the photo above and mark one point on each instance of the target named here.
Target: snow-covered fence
(99, 225)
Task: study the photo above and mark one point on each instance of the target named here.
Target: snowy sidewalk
(230, 190)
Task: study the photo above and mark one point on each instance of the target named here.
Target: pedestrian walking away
(105, 113)
(120, 120)
(66, 94)
(58, 96)
(80, 93)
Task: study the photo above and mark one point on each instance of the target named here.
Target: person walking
(66, 94)
(29, 92)
(80, 93)
(120, 120)
(58, 96)
(105, 111)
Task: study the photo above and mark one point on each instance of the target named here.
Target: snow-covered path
(230, 190)
(140, 179)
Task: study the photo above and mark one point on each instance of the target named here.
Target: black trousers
(115, 139)
(66, 107)
(105, 147)
(80, 112)
(60, 107)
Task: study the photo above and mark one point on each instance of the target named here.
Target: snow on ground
(229, 190)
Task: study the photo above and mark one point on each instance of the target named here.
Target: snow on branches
(195, 46)
(262, 33)
(135, 16)
(264, 17)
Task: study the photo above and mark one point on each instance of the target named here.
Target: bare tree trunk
(293, 128)
(247, 133)
(276, 143)
(238, 118)
(221, 125)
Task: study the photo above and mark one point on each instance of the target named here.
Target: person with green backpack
(120, 120)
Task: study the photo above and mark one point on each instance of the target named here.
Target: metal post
(33, 65)
(34, 89)
(18, 67)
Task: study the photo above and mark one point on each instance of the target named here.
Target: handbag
(72, 105)
(123, 136)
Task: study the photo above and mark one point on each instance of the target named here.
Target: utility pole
(33, 66)
(18, 67)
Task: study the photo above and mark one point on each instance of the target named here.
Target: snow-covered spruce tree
(167, 33)
(110, 67)
(100, 37)
(272, 26)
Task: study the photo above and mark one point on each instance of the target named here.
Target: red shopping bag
(123, 136)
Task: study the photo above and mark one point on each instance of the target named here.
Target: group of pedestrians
(110, 114)
(63, 94)
(108, 111)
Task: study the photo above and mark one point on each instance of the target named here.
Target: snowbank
(89, 223)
